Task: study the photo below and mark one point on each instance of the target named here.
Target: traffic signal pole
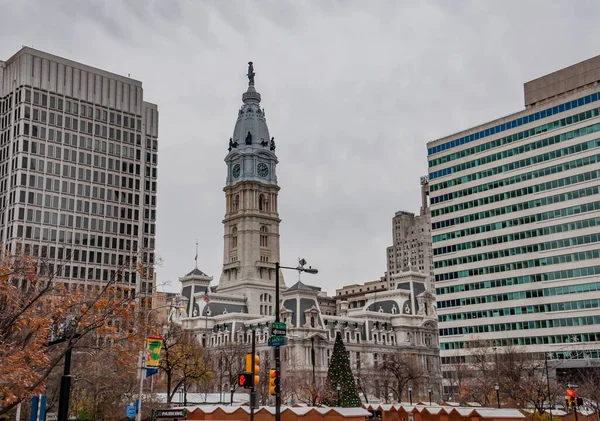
(252, 397)
(277, 351)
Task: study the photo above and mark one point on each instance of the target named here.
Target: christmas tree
(340, 375)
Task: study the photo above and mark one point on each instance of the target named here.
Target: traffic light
(245, 380)
(256, 367)
(571, 399)
(274, 382)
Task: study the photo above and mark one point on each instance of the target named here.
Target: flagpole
(196, 258)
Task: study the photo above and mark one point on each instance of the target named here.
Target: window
(236, 203)
(234, 237)
(264, 237)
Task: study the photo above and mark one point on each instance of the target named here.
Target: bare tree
(182, 361)
(403, 368)
(589, 380)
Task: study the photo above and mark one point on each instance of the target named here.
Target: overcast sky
(353, 91)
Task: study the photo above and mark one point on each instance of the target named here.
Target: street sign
(278, 329)
(130, 411)
(51, 416)
(170, 413)
(277, 341)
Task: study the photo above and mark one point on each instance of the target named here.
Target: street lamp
(410, 394)
(497, 387)
(142, 358)
(232, 392)
(429, 391)
(338, 388)
(277, 351)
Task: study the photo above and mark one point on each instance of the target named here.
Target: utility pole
(252, 397)
(65, 388)
(548, 380)
(277, 351)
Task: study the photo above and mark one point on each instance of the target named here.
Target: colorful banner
(153, 347)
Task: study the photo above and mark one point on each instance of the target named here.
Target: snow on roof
(463, 411)
(499, 413)
(351, 412)
(322, 410)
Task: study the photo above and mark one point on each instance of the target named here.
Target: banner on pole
(151, 371)
(153, 347)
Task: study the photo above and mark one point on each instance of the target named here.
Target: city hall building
(402, 319)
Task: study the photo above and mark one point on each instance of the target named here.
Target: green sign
(277, 341)
(278, 329)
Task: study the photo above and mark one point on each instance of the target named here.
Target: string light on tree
(340, 374)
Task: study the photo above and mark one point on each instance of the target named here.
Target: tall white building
(515, 210)
(78, 169)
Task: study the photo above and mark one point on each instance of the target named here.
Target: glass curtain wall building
(515, 213)
(78, 170)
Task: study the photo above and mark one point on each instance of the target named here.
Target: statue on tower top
(250, 72)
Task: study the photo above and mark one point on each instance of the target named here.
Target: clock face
(236, 171)
(262, 170)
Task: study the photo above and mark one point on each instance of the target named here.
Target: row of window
(83, 126)
(515, 123)
(530, 340)
(529, 219)
(520, 280)
(73, 106)
(531, 189)
(530, 204)
(592, 144)
(57, 136)
(125, 152)
(70, 237)
(522, 235)
(520, 295)
(586, 115)
(514, 251)
(533, 324)
(524, 264)
(520, 149)
(514, 311)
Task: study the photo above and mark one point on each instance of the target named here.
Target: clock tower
(251, 222)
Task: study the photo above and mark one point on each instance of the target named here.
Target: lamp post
(232, 392)
(497, 387)
(339, 388)
(429, 391)
(410, 394)
(142, 358)
(277, 351)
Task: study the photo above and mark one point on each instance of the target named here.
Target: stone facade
(411, 236)
(386, 322)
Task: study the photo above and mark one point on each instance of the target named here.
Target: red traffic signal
(245, 380)
(571, 393)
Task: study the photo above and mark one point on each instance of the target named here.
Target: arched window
(236, 203)
(264, 237)
(312, 321)
(261, 202)
(234, 237)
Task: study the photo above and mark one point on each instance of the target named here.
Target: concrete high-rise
(411, 236)
(78, 170)
(515, 210)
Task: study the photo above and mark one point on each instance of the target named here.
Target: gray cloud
(353, 90)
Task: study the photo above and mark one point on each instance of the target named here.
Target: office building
(78, 170)
(515, 210)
